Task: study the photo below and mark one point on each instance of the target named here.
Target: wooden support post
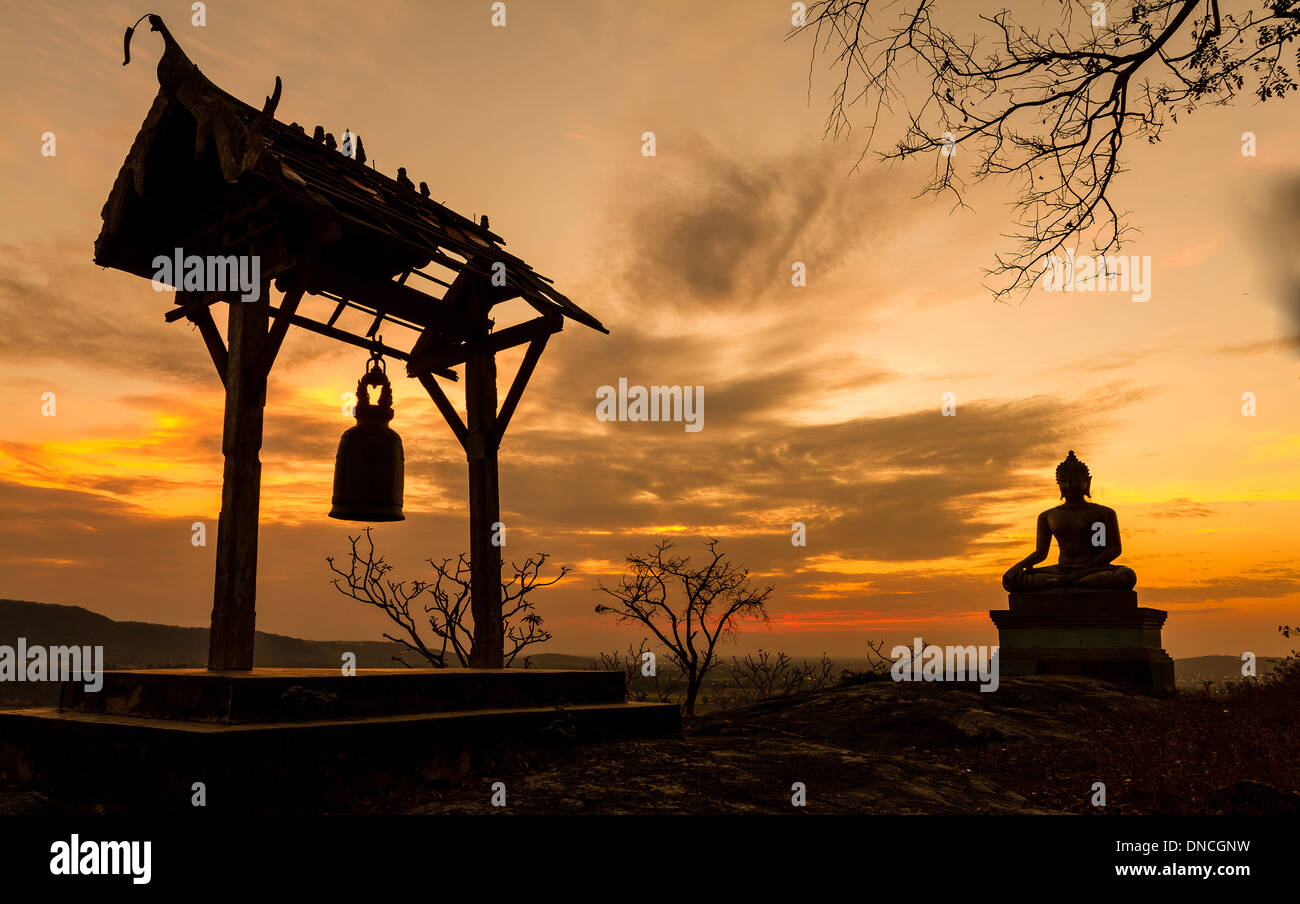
(481, 444)
(480, 434)
(230, 643)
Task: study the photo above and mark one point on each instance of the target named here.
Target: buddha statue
(1087, 535)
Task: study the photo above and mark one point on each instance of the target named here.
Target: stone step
(128, 763)
(297, 695)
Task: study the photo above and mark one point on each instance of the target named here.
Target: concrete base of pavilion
(1098, 633)
(291, 740)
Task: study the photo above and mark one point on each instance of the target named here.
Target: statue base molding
(1098, 633)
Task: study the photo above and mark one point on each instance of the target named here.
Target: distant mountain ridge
(139, 645)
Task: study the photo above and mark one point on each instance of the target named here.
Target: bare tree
(880, 664)
(763, 676)
(448, 610)
(712, 599)
(662, 684)
(1290, 665)
(878, 661)
(1048, 106)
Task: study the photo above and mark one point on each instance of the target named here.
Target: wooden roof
(208, 172)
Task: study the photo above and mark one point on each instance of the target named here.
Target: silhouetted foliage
(879, 664)
(1046, 106)
(662, 685)
(765, 676)
(688, 609)
(448, 612)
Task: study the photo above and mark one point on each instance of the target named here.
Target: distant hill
(141, 645)
(1195, 670)
(144, 645)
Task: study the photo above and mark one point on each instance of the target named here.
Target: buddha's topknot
(1070, 468)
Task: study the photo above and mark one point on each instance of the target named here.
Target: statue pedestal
(1099, 633)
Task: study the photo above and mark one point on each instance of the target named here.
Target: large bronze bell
(369, 468)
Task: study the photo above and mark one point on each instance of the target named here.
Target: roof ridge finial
(155, 24)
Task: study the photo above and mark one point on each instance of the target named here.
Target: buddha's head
(1073, 479)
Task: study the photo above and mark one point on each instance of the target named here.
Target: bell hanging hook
(377, 356)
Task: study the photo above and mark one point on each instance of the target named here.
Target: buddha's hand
(1014, 573)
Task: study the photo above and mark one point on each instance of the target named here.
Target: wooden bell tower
(213, 177)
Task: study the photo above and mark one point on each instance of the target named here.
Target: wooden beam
(343, 306)
(189, 302)
(280, 326)
(435, 342)
(496, 342)
(448, 410)
(344, 303)
(202, 318)
(535, 349)
(358, 341)
(384, 295)
(445, 285)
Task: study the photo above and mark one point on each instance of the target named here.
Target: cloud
(713, 228)
(1184, 508)
(57, 306)
(1269, 585)
(900, 487)
(1263, 347)
(1279, 244)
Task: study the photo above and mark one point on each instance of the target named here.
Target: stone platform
(301, 740)
(1099, 633)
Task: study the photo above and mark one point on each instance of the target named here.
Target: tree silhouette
(1048, 107)
(448, 612)
(765, 676)
(662, 684)
(712, 598)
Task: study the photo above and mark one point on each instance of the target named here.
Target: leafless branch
(1048, 107)
(687, 609)
(448, 609)
(763, 676)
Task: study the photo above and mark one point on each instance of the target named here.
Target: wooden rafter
(383, 295)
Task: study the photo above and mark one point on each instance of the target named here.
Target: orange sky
(822, 403)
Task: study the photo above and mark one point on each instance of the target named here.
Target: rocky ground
(1036, 745)
(879, 747)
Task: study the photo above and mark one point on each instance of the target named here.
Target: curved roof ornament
(174, 65)
(239, 146)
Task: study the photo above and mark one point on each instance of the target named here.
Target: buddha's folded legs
(1112, 577)
(1033, 579)
(1107, 577)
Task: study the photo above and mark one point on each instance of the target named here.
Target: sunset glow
(822, 403)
